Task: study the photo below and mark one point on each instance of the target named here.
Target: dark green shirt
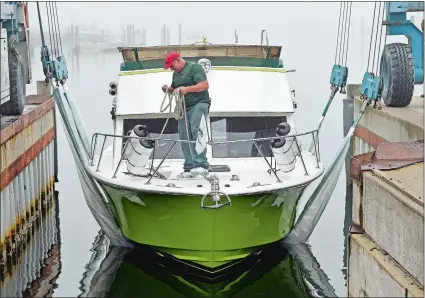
(191, 74)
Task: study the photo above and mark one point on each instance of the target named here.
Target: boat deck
(246, 175)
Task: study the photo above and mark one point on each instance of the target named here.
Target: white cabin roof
(232, 90)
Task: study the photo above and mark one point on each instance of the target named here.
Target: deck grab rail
(128, 138)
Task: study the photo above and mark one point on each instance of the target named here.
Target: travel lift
(401, 65)
(396, 90)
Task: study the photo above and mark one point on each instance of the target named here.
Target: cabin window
(243, 128)
(155, 126)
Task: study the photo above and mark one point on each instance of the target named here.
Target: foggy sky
(306, 31)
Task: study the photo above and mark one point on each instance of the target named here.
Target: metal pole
(301, 155)
(101, 154)
(348, 119)
(270, 166)
(160, 164)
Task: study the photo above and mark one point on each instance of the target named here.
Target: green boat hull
(177, 225)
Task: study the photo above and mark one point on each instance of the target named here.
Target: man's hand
(183, 90)
(164, 89)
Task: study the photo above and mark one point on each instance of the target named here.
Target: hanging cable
(50, 33)
(375, 70)
(337, 37)
(385, 39)
(376, 38)
(58, 35)
(344, 29)
(371, 36)
(52, 22)
(55, 36)
(348, 35)
(342, 35)
(43, 41)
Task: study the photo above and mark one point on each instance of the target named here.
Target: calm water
(86, 266)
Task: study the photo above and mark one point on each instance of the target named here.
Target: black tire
(16, 103)
(398, 74)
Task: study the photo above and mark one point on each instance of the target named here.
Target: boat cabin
(249, 91)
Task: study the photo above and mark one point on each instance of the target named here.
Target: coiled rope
(180, 107)
(179, 111)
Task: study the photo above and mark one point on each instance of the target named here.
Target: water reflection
(32, 268)
(275, 271)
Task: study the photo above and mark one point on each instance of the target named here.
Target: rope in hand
(179, 111)
(180, 104)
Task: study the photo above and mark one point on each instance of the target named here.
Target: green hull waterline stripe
(260, 69)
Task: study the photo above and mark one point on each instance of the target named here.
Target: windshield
(222, 129)
(243, 128)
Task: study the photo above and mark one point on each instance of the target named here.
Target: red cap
(170, 58)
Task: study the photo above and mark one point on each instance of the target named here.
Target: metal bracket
(216, 194)
(46, 62)
(387, 156)
(371, 87)
(217, 205)
(60, 69)
(355, 229)
(339, 77)
(256, 184)
(262, 37)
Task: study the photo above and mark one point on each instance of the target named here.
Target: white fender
(201, 141)
(285, 150)
(138, 151)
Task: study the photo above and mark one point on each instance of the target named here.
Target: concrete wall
(372, 273)
(386, 255)
(388, 124)
(395, 222)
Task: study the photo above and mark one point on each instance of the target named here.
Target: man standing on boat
(192, 82)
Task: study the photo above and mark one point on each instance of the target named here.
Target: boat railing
(126, 139)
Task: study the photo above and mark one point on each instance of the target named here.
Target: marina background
(308, 43)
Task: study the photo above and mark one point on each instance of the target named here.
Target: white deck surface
(249, 171)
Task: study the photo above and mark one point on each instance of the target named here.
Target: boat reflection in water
(276, 271)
